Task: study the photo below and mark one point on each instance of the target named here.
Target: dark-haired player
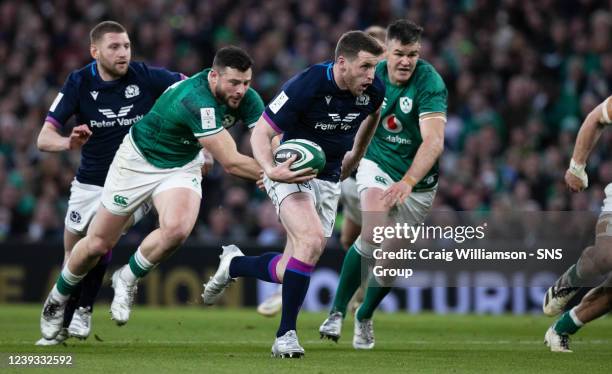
(336, 105)
(160, 159)
(106, 97)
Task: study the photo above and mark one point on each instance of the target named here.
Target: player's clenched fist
(79, 136)
(576, 177)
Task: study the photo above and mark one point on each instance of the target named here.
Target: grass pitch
(237, 341)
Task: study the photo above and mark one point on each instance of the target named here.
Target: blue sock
(295, 286)
(92, 284)
(73, 303)
(261, 267)
(85, 293)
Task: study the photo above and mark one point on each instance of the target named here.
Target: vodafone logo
(392, 124)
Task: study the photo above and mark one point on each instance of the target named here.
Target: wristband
(410, 180)
(576, 168)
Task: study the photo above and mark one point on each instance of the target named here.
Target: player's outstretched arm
(362, 140)
(588, 135)
(223, 148)
(50, 140)
(432, 132)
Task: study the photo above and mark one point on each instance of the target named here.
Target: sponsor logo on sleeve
(278, 103)
(207, 116)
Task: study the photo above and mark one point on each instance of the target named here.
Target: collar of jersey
(93, 68)
(329, 73)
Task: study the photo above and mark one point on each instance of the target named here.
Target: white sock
(58, 296)
(126, 274)
(141, 262)
(574, 317)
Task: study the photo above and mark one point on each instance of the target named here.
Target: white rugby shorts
(325, 194)
(132, 180)
(417, 205)
(83, 204)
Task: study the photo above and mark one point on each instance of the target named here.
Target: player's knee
(99, 246)
(311, 244)
(175, 233)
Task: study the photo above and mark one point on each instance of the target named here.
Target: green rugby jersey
(168, 135)
(398, 135)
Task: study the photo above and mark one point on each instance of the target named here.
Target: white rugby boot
(556, 298)
(557, 342)
(287, 346)
(363, 334)
(221, 280)
(80, 326)
(123, 300)
(273, 304)
(52, 317)
(331, 328)
(59, 338)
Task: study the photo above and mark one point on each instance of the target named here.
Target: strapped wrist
(576, 168)
(410, 180)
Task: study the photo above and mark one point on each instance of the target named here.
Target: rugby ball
(309, 154)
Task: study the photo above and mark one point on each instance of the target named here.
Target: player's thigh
(349, 233)
(298, 215)
(106, 228)
(130, 181)
(415, 209)
(371, 184)
(178, 209)
(294, 201)
(177, 198)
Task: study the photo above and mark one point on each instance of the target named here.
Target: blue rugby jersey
(109, 109)
(311, 106)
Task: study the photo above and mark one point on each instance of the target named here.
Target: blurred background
(521, 76)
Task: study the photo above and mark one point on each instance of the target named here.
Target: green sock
(67, 282)
(568, 323)
(139, 265)
(374, 295)
(350, 280)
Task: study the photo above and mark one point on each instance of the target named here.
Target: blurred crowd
(521, 77)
